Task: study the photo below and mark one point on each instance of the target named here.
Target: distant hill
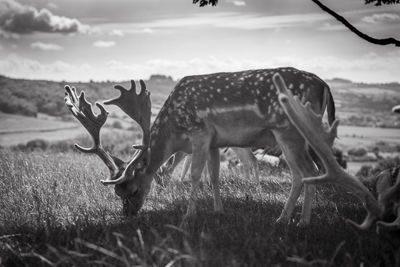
(30, 97)
(338, 80)
(357, 103)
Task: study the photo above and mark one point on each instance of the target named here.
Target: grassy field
(55, 212)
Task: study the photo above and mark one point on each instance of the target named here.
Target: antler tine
(310, 127)
(129, 170)
(82, 110)
(391, 191)
(394, 224)
(136, 106)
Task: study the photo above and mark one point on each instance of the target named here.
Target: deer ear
(144, 161)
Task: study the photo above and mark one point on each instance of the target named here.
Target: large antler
(138, 107)
(310, 127)
(388, 188)
(82, 110)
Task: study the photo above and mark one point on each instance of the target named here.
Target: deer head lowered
(202, 114)
(138, 108)
(309, 125)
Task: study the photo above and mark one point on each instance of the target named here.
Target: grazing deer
(387, 183)
(202, 114)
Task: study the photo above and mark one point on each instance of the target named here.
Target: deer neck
(160, 143)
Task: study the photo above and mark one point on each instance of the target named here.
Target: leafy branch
(384, 41)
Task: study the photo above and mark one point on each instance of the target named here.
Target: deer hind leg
(301, 165)
(200, 151)
(249, 162)
(213, 169)
(254, 167)
(186, 165)
(206, 174)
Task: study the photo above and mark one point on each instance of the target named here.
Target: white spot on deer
(219, 90)
(225, 99)
(258, 92)
(217, 111)
(301, 86)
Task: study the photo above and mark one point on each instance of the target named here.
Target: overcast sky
(124, 39)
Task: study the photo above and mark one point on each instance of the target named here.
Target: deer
(387, 183)
(202, 114)
(245, 155)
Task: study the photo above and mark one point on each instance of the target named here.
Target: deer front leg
(213, 169)
(309, 195)
(301, 165)
(200, 150)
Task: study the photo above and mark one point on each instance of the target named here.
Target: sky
(82, 40)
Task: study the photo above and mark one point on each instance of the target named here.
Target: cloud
(367, 68)
(237, 2)
(52, 5)
(104, 44)
(233, 20)
(24, 19)
(116, 32)
(331, 27)
(46, 46)
(382, 18)
(16, 66)
(8, 35)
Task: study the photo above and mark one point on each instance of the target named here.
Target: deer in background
(202, 114)
(387, 183)
(244, 155)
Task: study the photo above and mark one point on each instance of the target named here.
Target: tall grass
(55, 212)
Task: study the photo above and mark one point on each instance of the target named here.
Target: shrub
(12, 104)
(357, 152)
(367, 172)
(37, 144)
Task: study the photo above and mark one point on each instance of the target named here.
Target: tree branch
(362, 35)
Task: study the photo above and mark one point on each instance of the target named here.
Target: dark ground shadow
(244, 235)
